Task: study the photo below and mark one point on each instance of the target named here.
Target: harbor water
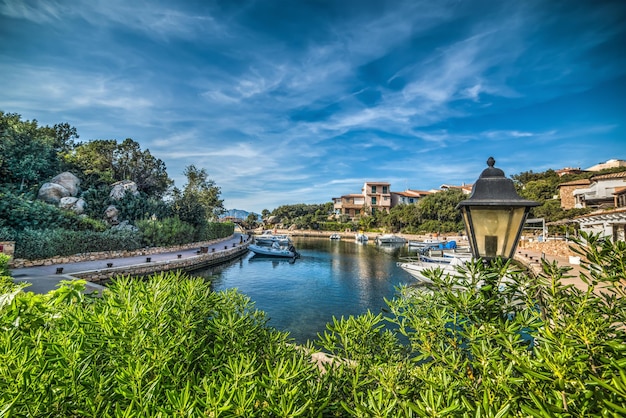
(332, 278)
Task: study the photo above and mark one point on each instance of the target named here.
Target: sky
(299, 101)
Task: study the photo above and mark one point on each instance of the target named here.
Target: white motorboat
(335, 236)
(390, 239)
(274, 250)
(416, 268)
(267, 238)
(427, 243)
(361, 237)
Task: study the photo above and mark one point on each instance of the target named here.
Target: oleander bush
(493, 341)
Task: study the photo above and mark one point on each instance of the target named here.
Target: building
(375, 196)
(407, 197)
(600, 191)
(613, 163)
(566, 192)
(465, 188)
(568, 170)
(606, 223)
(350, 205)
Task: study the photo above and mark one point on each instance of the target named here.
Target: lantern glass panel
(496, 229)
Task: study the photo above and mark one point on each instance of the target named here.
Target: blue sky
(292, 101)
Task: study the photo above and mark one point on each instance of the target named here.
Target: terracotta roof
(619, 190)
(579, 182)
(618, 175)
(412, 193)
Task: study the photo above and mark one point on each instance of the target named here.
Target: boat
(361, 237)
(427, 243)
(274, 250)
(335, 236)
(267, 238)
(417, 267)
(390, 239)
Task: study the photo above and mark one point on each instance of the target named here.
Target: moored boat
(267, 238)
(390, 239)
(274, 250)
(361, 237)
(335, 236)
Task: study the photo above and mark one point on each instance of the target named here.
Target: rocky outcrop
(69, 181)
(119, 189)
(75, 204)
(63, 185)
(110, 215)
(52, 193)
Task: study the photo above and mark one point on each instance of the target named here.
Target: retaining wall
(197, 262)
(103, 255)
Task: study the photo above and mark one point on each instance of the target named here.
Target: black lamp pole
(494, 214)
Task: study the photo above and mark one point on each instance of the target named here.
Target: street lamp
(494, 214)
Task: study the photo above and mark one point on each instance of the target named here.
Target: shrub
(36, 244)
(491, 341)
(167, 346)
(169, 231)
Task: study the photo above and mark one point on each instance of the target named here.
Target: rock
(52, 193)
(75, 204)
(124, 225)
(110, 215)
(69, 181)
(273, 220)
(119, 189)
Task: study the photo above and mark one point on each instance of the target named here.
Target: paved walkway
(44, 278)
(532, 259)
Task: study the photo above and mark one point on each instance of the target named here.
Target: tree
(27, 152)
(199, 201)
(104, 162)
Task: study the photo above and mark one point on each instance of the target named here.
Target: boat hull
(273, 252)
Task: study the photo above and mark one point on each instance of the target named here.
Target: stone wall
(188, 264)
(558, 248)
(103, 255)
(7, 247)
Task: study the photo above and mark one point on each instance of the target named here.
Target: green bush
(36, 244)
(164, 347)
(215, 230)
(492, 341)
(169, 231)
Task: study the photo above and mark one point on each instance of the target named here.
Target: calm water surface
(331, 278)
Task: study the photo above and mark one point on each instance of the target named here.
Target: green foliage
(18, 212)
(199, 201)
(103, 162)
(28, 152)
(37, 244)
(166, 232)
(493, 341)
(166, 346)
(489, 341)
(302, 215)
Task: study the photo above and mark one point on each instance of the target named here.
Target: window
(373, 189)
(373, 200)
(385, 190)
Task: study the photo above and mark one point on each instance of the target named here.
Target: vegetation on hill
(435, 212)
(500, 345)
(31, 155)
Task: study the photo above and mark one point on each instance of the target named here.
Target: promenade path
(532, 260)
(43, 279)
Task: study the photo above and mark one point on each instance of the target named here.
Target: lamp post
(494, 214)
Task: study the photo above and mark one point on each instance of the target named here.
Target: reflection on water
(331, 278)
